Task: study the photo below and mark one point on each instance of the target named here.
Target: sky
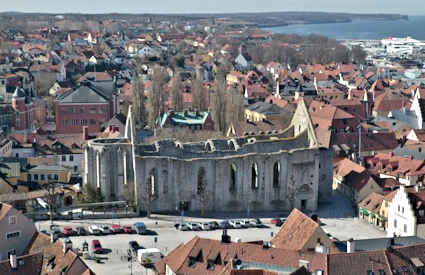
(410, 7)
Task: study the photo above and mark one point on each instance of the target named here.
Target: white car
(105, 230)
(55, 229)
(235, 224)
(245, 223)
(183, 227)
(194, 226)
(94, 229)
(205, 226)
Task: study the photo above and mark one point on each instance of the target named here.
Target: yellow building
(369, 209)
(385, 206)
(47, 173)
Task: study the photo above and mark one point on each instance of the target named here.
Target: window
(101, 110)
(12, 235)
(405, 228)
(201, 187)
(75, 168)
(42, 177)
(399, 208)
(152, 182)
(74, 122)
(92, 122)
(402, 210)
(56, 177)
(35, 176)
(71, 158)
(12, 220)
(276, 174)
(164, 176)
(83, 122)
(63, 158)
(49, 177)
(233, 171)
(92, 110)
(395, 223)
(254, 176)
(65, 122)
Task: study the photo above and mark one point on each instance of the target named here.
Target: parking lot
(337, 218)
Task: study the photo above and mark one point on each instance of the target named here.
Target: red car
(67, 231)
(274, 221)
(127, 229)
(116, 228)
(96, 246)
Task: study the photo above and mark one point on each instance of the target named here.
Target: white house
(406, 213)
(417, 107)
(148, 51)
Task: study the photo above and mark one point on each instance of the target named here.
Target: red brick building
(24, 104)
(92, 104)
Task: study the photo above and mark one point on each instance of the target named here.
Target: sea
(360, 29)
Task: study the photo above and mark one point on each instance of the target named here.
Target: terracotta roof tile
(295, 232)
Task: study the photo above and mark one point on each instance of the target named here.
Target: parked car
(96, 246)
(116, 228)
(255, 222)
(94, 229)
(148, 257)
(225, 225)
(81, 231)
(105, 230)
(127, 229)
(182, 226)
(55, 229)
(205, 225)
(235, 224)
(67, 231)
(245, 223)
(274, 221)
(214, 225)
(134, 246)
(140, 228)
(281, 221)
(194, 226)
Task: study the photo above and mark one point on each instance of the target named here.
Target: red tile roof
(295, 232)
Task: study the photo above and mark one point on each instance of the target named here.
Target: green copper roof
(184, 118)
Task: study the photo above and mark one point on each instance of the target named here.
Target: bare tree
(52, 193)
(155, 100)
(176, 93)
(199, 96)
(220, 102)
(138, 97)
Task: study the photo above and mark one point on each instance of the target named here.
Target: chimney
(66, 245)
(351, 247)
(392, 243)
(13, 261)
(225, 238)
(304, 263)
(85, 133)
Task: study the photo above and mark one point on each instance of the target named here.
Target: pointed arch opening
(153, 183)
(233, 177)
(276, 174)
(254, 176)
